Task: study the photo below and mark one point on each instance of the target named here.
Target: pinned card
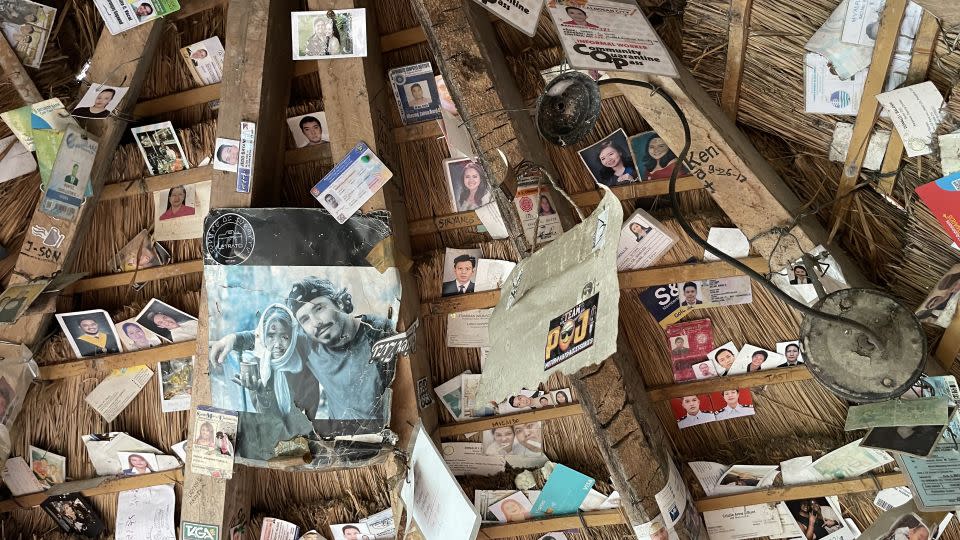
(563, 492)
(351, 183)
(643, 241)
(915, 111)
(942, 197)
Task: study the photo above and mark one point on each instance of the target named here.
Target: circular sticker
(917, 144)
(526, 204)
(229, 239)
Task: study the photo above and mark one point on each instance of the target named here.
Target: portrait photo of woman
(138, 464)
(168, 322)
(135, 337)
(177, 204)
(609, 161)
(639, 231)
(468, 184)
(546, 207)
(654, 159)
(205, 437)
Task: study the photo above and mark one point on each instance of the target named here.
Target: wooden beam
(180, 100)
(416, 132)
(863, 484)
(631, 438)
(923, 47)
(886, 45)
(126, 57)
(596, 518)
(17, 75)
(946, 10)
(447, 222)
(309, 154)
(659, 275)
(460, 302)
(193, 7)
(255, 88)
(742, 182)
(149, 184)
(490, 422)
(739, 20)
(140, 276)
(102, 364)
(480, 83)
(404, 38)
(746, 380)
(101, 485)
(639, 190)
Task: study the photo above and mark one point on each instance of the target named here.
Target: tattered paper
(264, 268)
(876, 147)
(558, 310)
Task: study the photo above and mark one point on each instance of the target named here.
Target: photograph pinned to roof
(136, 463)
(89, 332)
(415, 90)
(168, 322)
(139, 253)
(309, 129)
(609, 160)
(752, 358)
(689, 343)
(460, 271)
(47, 467)
(791, 351)
(176, 384)
(732, 403)
(643, 241)
(469, 188)
(204, 59)
(15, 301)
(692, 410)
(99, 101)
(319, 35)
(723, 357)
(941, 304)
(652, 158)
(160, 148)
(178, 211)
(70, 175)
(214, 433)
(26, 26)
(135, 337)
(226, 155)
(516, 507)
(74, 514)
(122, 15)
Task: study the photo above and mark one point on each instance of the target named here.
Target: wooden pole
(739, 19)
(22, 83)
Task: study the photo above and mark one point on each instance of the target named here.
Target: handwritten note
(146, 514)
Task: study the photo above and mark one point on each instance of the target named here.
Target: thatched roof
(904, 251)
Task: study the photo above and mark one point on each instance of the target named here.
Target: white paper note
(916, 112)
(469, 329)
(465, 458)
(113, 395)
(731, 241)
(742, 522)
(876, 147)
(146, 514)
(489, 215)
(950, 153)
(826, 93)
(19, 479)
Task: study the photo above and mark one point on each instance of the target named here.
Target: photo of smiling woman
(468, 184)
(654, 159)
(609, 161)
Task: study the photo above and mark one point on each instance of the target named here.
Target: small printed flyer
(351, 183)
(215, 431)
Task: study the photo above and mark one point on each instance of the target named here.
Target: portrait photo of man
(415, 96)
(690, 291)
(309, 129)
(679, 346)
(692, 411)
(71, 178)
(464, 270)
(90, 333)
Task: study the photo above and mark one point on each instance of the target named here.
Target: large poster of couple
(295, 308)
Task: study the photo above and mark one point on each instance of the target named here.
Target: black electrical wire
(685, 225)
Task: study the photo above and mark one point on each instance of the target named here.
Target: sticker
(402, 343)
(571, 333)
(51, 237)
(229, 239)
(248, 134)
(424, 399)
(199, 531)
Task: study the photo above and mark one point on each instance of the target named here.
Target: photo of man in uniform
(416, 97)
(92, 340)
(464, 268)
(71, 178)
(693, 416)
(679, 347)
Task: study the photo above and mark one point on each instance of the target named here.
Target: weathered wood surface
(737, 35)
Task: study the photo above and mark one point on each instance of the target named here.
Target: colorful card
(358, 176)
(415, 89)
(563, 493)
(26, 25)
(214, 432)
(942, 197)
(692, 410)
(122, 15)
(689, 343)
(70, 176)
(571, 333)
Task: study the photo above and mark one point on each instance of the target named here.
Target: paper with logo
(847, 59)
(741, 522)
(942, 197)
(199, 531)
(469, 329)
(672, 499)
(291, 316)
(214, 433)
(122, 15)
(115, 392)
(935, 479)
(380, 525)
(861, 22)
(539, 226)
(26, 25)
(643, 241)
(915, 112)
(146, 514)
(415, 89)
(205, 60)
(45, 115)
(909, 521)
(433, 497)
(356, 178)
(277, 529)
(609, 36)
(520, 14)
(826, 93)
(70, 176)
(248, 135)
(559, 283)
(663, 303)
(467, 458)
(563, 492)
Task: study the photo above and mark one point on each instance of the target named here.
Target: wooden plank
(356, 102)
(101, 364)
(17, 75)
(869, 110)
(416, 132)
(192, 7)
(863, 484)
(738, 178)
(141, 276)
(596, 518)
(308, 154)
(404, 38)
(746, 380)
(639, 190)
(101, 485)
(125, 57)
(480, 83)
(447, 222)
(255, 88)
(460, 302)
(923, 47)
(739, 20)
(490, 422)
(946, 10)
(149, 184)
(658, 275)
(180, 100)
